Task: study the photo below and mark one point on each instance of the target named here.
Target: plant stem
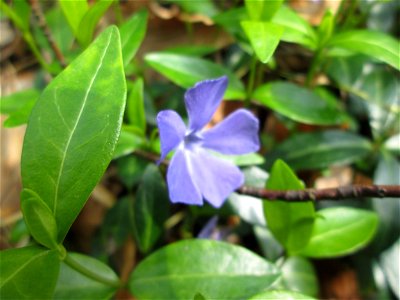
(339, 193)
(89, 273)
(250, 84)
(315, 65)
(41, 20)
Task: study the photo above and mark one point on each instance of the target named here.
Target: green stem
(90, 274)
(315, 65)
(250, 84)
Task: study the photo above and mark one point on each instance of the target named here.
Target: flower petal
(181, 187)
(215, 177)
(202, 101)
(237, 134)
(172, 131)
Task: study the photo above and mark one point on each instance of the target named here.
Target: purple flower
(194, 173)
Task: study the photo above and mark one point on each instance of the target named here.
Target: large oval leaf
(320, 149)
(372, 43)
(73, 129)
(150, 208)
(217, 270)
(339, 231)
(298, 103)
(185, 71)
(74, 285)
(28, 273)
(290, 223)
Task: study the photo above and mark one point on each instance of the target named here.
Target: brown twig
(339, 193)
(38, 13)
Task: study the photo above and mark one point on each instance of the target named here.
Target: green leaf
(244, 159)
(299, 276)
(262, 10)
(215, 269)
(18, 106)
(325, 28)
(135, 106)
(191, 50)
(298, 103)
(390, 265)
(379, 89)
(72, 284)
(387, 172)
(73, 130)
(372, 43)
(264, 38)
(128, 142)
(290, 223)
(296, 29)
(150, 208)
(199, 296)
(28, 273)
(317, 150)
(88, 23)
(132, 35)
(281, 295)
(74, 12)
(204, 7)
(270, 247)
(340, 231)
(185, 71)
(22, 10)
(39, 219)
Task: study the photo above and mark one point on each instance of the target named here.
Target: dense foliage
(323, 96)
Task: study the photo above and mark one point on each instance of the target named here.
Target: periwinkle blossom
(195, 174)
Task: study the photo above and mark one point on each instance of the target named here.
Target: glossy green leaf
(298, 103)
(132, 35)
(39, 219)
(22, 10)
(28, 273)
(215, 269)
(262, 10)
(372, 43)
(150, 208)
(73, 130)
(379, 89)
(72, 284)
(281, 295)
(247, 208)
(185, 71)
(290, 223)
(298, 275)
(390, 264)
(317, 150)
(340, 231)
(74, 12)
(87, 25)
(18, 106)
(387, 172)
(264, 38)
(135, 105)
(296, 29)
(393, 144)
